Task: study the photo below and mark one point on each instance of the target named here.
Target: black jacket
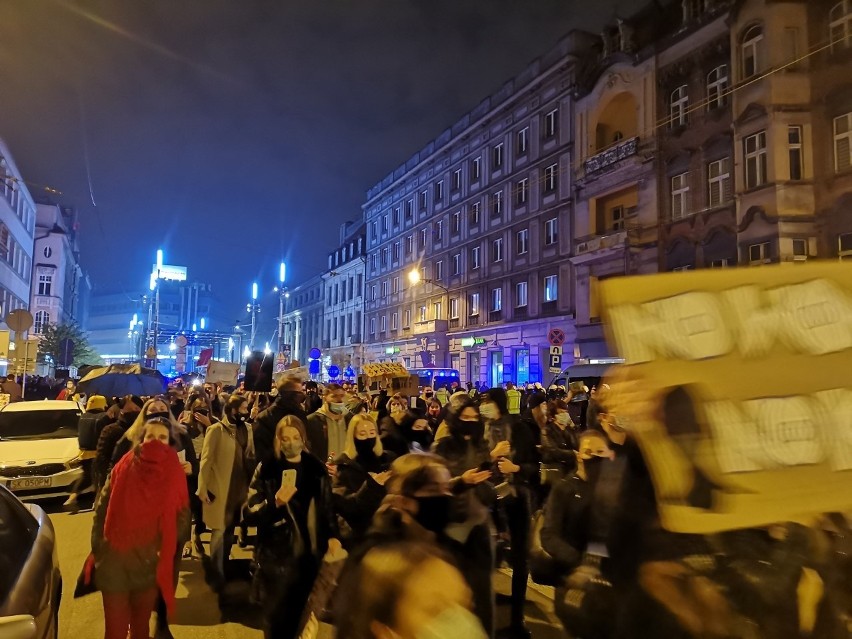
(524, 452)
(558, 447)
(566, 521)
(89, 429)
(357, 496)
(279, 538)
(264, 425)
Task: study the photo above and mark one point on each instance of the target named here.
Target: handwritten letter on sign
(748, 376)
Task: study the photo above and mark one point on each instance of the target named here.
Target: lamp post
(254, 308)
(282, 293)
(414, 278)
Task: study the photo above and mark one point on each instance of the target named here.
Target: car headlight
(74, 463)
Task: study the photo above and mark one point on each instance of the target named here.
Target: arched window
(42, 319)
(840, 25)
(717, 87)
(752, 44)
(679, 107)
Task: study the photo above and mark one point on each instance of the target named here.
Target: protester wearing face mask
(406, 591)
(223, 484)
(434, 412)
(469, 459)
(389, 426)
(129, 407)
(416, 432)
(326, 427)
(558, 444)
(296, 525)
(289, 402)
(362, 471)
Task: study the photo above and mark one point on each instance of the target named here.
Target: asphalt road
(198, 613)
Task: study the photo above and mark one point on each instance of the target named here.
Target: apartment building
(468, 240)
(17, 226)
(304, 311)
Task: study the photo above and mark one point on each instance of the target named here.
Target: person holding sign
(290, 502)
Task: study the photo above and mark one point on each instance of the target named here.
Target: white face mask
(489, 411)
(337, 408)
(453, 622)
(563, 419)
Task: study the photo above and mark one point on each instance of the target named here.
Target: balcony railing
(495, 316)
(455, 322)
(597, 243)
(611, 155)
(473, 320)
(430, 326)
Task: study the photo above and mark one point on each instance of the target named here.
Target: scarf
(148, 491)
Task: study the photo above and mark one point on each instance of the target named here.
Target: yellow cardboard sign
(385, 369)
(744, 414)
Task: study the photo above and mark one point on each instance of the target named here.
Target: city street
(198, 614)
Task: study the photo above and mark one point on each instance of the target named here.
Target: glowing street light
(414, 276)
(203, 323)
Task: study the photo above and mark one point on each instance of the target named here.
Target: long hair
(349, 448)
(290, 421)
(137, 428)
(413, 472)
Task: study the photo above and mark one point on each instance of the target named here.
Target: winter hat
(96, 402)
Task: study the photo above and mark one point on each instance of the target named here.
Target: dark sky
(236, 132)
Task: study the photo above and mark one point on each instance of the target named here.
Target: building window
(439, 230)
(439, 270)
(457, 180)
(475, 211)
(394, 321)
(424, 199)
(550, 123)
(842, 143)
(395, 287)
(497, 250)
(679, 107)
(372, 326)
(42, 319)
(457, 264)
(476, 168)
(680, 269)
(384, 225)
(473, 304)
(424, 237)
(551, 288)
(439, 191)
(48, 252)
(751, 49)
(396, 251)
(551, 176)
(474, 258)
(758, 253)
(521, 294)
(436, 310)
(794, 148)
(45, 283)
(800, 249)
(396, 217)
(409, 245)
(723, 263)
(551, 231)
(844, 246)
(383, 323)
(454, 308)
(497, 203)
(523, 140)
(680, 196)
(383, 254)
(717, 87)
(456, 225)
(522, 191)
(384, 288)
(372, 292)
(496, 299)
(374, 231)
(409, 210)
(719, 182)
(754, 147)
(406, 318)
(523, 240)
(840, 25)
(497, 157)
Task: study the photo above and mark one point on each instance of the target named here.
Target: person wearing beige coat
(223, 480)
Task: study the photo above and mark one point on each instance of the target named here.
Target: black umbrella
(117, 380)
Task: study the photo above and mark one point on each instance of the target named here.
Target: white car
(39, 453)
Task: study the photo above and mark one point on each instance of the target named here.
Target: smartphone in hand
(288, 477)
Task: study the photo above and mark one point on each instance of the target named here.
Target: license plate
(28, 483)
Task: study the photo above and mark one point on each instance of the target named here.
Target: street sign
(556, 336)
(556, 362)
(181, 341)
(556, 350)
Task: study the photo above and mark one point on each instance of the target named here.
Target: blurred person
(397, 407)
(434, 415)
(138, 518)
(406, 591)
(326, 427)
(442, 395)
(12, 388)
(469, 459)
(128, 409)
(196, 419)
(513, 399)
(89, 428)
(313, 400)
(515, 471)
(69, 392)
(416, 432)
(361, 472)
(559, 443)
(536, 415)
(296, 526)
(223, 481)
(289, 402)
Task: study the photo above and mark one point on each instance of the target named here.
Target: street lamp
(282, 294)
(415, 278)
(254, 309)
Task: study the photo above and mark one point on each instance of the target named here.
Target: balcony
(473, 320)
(596, 247)
(611, 156)
(455, 322)
(430, 326)
(495, 316)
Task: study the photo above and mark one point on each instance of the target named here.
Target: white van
(39, 453)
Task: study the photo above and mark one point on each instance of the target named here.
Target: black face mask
(165, 415)
(364, 447)
(474, 430)
(422, 437)
(592, 468)
(296, 397)
(433, 513)
(128, 418)
(239, 418)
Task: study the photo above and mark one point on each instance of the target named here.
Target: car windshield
(38, 424)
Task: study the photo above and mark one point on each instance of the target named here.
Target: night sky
(235, 133)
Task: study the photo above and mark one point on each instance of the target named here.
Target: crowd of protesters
(426, 497)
